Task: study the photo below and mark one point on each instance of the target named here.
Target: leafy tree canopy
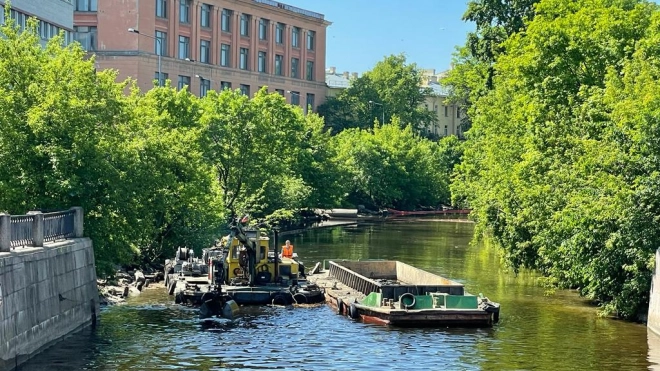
(553, 166)
(391, 88)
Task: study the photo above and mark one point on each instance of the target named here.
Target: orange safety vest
(287, 252)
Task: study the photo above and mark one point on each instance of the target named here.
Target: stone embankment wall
(653, 321)
(45, 293)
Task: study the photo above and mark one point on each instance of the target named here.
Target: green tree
(548, 164)
(63, 140)
(473, 71)
(182, 198)
(393, 87)
(393, 167)
(266, 154)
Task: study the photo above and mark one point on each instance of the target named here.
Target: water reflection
(536, 331)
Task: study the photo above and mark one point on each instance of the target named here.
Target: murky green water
(536, 332)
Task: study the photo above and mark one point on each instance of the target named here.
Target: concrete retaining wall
(45, 293)
(653, 321)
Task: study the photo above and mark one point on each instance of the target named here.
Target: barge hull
(348, 285)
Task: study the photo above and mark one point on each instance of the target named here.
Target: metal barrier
(35, 228)
(353, 280)
(58, 225)
(21, 230)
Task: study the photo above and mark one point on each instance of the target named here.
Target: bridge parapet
(35, 228)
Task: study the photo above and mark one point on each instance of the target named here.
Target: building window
(243, 62)
(224, 55)
(295, 98)
(206, 15)
(458, 112)
(184, 11)
(446, 111)
(43, 29)
(310, 102)
(245, 25)
(245, 89)
(263, 29)
(295, 68)
(225, 21)
(279, 33)
(280, 91)
(205, 51)
(262, 62)
(184, 47)
(311, 36)
(278, 64)
(295, 37)
(18, 17)
(184, 81)
(161, 8)
(310, 71)
(204, 87)
(86, 36)
(446, 131)
(86, 5)
(225, 85)
(160, 44)
(160, 81)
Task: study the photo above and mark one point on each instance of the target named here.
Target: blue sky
(364, 31)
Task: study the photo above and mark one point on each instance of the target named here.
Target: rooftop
(438, 89)
(290, 8)
(339, 80)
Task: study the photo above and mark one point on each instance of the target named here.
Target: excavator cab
(237, 271)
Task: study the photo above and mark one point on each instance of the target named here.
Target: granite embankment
(47, 282)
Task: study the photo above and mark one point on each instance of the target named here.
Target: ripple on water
(536, 332)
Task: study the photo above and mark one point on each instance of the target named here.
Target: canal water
(537, 330)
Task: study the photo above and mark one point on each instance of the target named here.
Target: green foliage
(182, 199)
(69, 136)
(473, 66)
(393, 167)
(267, 155)
(558, 164)
(393, 87)
(160, 169)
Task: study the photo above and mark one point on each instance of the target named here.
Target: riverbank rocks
(126, 283)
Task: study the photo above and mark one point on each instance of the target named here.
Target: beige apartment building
(448, 115)
(209, 44)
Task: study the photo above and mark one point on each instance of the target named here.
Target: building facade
(336, 82)
(52, 16)
(209, 44)
(448, 116)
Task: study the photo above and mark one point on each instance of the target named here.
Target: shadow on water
(536, 331)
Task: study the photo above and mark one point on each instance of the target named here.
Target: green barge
(397, 294)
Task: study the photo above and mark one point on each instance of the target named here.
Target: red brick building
(209, 44)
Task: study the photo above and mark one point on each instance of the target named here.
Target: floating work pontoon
(395, 293)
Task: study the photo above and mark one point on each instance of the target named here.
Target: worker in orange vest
(287, 250)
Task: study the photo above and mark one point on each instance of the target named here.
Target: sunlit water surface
(537, 331)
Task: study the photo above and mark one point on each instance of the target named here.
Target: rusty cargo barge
(397, 294)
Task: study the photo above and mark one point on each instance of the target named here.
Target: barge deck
(397, 294)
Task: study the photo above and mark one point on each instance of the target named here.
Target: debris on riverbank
(126, 283)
